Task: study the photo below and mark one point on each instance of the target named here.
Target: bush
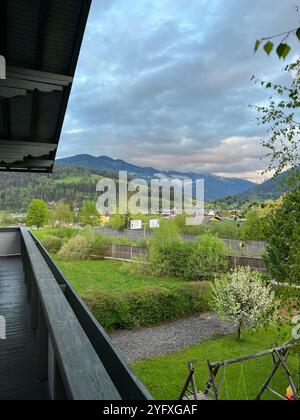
(170, 256)
(85, 246)
(148, 306)
(167, 252)
(170, 259)
(65, 233)
(229, 229)
(98, 244)
(77, 248)
(118, 221)
(52, 243)
(207, 259)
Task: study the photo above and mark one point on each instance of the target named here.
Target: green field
(165, 376)
(91, 277)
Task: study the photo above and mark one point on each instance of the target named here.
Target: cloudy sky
(166, 83)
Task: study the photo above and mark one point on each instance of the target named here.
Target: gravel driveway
(168, 337)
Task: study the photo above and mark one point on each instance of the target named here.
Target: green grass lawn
(89, 277)
(165, 376)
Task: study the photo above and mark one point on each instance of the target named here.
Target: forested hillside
(73, 185)
(270, 189)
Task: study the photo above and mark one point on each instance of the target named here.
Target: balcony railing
(75, 357)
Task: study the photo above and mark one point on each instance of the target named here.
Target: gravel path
(168, 337)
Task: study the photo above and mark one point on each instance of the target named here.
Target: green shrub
(148, 306)
(208, 259)
(77, 248)
(110, 310)
(170, 256)
(87, 245)
(170, 259)
(229, 229)
(118, 221)
(52, 243)
(65, 233)
(98, 246)
(167, 252)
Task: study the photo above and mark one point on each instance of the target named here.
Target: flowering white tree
(243, 299)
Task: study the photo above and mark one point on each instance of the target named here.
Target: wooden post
(186, 385)
(270, 377)
(193, 381)
(213, 374)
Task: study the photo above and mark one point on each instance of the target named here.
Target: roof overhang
(40, 41)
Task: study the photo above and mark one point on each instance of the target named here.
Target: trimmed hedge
(148, 306)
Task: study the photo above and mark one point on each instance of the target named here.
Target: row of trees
(40, 215)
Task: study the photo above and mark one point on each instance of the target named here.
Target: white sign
(2, 67)
(154, 223)
(135, 224)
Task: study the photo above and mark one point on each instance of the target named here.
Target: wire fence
(248, 249)
(131, 253)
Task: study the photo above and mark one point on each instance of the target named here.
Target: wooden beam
(28, 85)
(43, 15)
(31, 145)
(253, 356)
(38, 76)
(21, 80)
(29, 164)
(27, 170)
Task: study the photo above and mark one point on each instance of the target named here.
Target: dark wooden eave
(41, 41)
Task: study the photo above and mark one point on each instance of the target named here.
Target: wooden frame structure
(279, 356)
(214, 386)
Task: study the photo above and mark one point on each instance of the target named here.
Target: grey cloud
(172, 78)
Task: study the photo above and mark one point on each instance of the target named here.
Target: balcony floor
(18, 353)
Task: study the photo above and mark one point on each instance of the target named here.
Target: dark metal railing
(76, 356)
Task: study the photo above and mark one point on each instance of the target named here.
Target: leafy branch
(281, 116)
(283, 48)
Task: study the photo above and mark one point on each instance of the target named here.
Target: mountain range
(75, 182)
(216, 187)
(270, 189)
